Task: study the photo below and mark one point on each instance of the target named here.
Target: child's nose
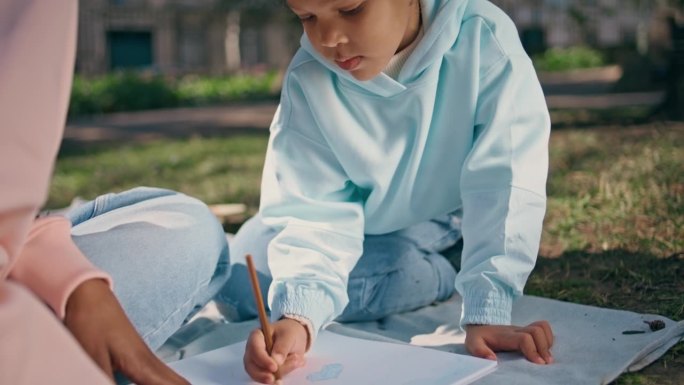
(331, 35)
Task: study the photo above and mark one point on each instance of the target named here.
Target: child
(402, 126)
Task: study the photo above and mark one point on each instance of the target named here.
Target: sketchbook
(336, 360)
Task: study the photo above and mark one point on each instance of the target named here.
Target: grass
(614, 229)
(215, 170)
(618, 188)
(613, 234)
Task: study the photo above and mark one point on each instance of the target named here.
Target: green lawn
(216, 170)
(613, 235)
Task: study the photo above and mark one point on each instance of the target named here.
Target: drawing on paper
(328, 372)
(336, 360)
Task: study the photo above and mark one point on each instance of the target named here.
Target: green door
(129, 49)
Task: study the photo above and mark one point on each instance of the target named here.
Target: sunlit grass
(215, 170)
(616, 188)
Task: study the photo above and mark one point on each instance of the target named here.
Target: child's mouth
(349, 64)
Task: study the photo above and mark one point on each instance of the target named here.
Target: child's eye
(353, 11)
(305, 18)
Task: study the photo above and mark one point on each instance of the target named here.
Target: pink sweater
(38, 260)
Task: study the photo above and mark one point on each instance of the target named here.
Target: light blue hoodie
(465, 125)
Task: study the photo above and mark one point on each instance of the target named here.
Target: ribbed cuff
(486, 308)
(303, 300)
(51, 265)
(307, 325)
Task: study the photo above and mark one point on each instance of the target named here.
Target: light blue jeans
(398, 272)
(165, 251)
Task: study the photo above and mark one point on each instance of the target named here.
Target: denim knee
(208, 232)
(446, 276)
(166, 251)
(426, 279)
(111, 201)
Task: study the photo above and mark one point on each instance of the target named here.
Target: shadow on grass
(587, 118)
(617, 279)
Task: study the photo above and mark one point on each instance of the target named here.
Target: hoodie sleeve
(307, 195)
(37, 47)
(503, 190)
(51, 265)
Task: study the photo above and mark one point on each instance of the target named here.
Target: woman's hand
(289, 345)
(534, 341)
(95, 318)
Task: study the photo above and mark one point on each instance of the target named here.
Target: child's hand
(289, 345)
(533, 340)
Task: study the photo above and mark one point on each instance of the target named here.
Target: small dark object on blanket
(655, 325)
(633, 332)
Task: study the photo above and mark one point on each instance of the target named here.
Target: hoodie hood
(441, 23)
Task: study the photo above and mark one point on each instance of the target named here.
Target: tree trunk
(673, 106)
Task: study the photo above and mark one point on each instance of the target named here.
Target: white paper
(337, 360)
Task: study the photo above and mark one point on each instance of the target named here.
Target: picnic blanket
(590, 347)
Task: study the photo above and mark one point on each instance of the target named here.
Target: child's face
(360, 36)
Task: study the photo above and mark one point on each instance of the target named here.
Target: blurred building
(222, 36)
(179, 36)
(563, 23)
